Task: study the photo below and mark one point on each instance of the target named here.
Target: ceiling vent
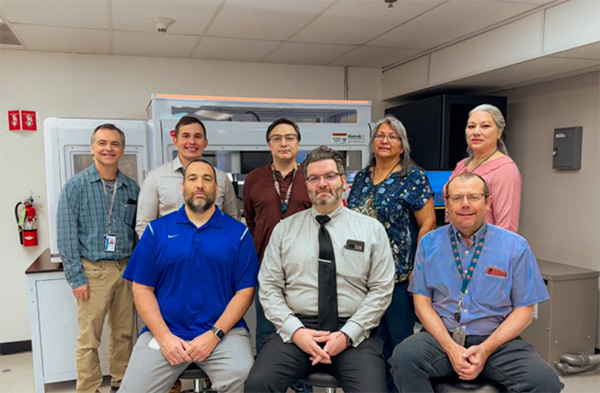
(7, 37)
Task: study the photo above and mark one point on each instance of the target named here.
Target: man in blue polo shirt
(194, 273)
(474, 287)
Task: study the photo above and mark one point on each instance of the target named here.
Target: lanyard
(284, 202)
(466, 277)
(109, 209)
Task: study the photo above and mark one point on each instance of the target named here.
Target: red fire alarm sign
(28, 121)
(22, 121)
(14, 120)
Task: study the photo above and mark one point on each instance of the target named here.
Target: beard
(332, 199)
(199, 205)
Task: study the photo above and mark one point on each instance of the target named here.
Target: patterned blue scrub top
(393, 202)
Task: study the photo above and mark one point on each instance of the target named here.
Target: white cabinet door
(57, 310)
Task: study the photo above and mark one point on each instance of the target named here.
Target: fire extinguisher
(27, 222)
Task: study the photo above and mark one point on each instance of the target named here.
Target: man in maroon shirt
(271, 193)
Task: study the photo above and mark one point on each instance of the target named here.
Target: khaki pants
(109, 293)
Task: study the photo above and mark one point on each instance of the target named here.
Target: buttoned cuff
(289, 327)
(78, 282)
(355, 332)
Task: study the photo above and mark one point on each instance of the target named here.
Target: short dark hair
(108, 126)
(325, 153)
(469, 176)
(283, 120)
(199, 160)
(186, 120)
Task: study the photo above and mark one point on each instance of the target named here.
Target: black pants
(279, 365)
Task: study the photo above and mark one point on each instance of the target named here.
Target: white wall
(100, 86)
(560, 210)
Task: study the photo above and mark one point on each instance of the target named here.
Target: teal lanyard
(466, 277)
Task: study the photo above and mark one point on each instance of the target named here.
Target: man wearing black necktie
(325, 281)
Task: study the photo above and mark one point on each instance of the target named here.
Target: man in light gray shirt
(326, 279)
(161, 190)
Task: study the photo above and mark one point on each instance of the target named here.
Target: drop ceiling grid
(63, 39)
(191, 17)
(451, 20)
(357, 22)
(90, 14)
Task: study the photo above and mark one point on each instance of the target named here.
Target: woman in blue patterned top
(396, 192)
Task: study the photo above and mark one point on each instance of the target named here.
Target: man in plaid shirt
(96, 221)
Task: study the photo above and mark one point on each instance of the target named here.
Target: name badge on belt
(110, 243)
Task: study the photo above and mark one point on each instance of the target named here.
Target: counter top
(43, 264)
(553, 271)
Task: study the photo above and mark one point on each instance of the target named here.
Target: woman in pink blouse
(489, 159)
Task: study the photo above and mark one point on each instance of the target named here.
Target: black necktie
(328, 310)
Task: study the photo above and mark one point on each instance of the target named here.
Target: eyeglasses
(329, 177)
(458, 198)
(288, 138)
(391, 137)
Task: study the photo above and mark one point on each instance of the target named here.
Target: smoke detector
(162, 24)
(390, 3)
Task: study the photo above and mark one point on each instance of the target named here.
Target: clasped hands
(308, 340)
(178, 351)
(468, 363)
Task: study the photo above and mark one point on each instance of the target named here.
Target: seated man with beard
(194, 273)
(326, 279)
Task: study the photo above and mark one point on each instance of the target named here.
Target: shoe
(299, 387)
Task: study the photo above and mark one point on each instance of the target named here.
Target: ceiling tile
(191, 17)
(91, 14)
(295, 53)
(265, 19)
(215, 48)
(63, 39)
(354, 22)
(153, 44)
(369, 56)
(451, 20)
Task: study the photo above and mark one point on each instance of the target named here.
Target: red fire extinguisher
(27, 222)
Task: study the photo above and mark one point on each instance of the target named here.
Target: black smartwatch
(218, 332)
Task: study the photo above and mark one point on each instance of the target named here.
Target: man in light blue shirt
(474, 287)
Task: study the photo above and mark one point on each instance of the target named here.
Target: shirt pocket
(353, 265)
(128, 211)
(493, 291)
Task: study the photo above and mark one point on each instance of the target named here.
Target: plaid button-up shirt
(83, 221)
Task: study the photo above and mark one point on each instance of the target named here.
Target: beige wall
(99, 86)
(560, 210)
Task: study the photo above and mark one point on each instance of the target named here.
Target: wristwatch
(218, 332)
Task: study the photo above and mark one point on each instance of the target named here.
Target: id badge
(459, 336)
(110, 243)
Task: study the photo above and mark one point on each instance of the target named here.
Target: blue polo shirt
(195, 272)
(506, 276)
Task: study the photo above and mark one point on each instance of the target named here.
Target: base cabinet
(53, 320)
(567, 322)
